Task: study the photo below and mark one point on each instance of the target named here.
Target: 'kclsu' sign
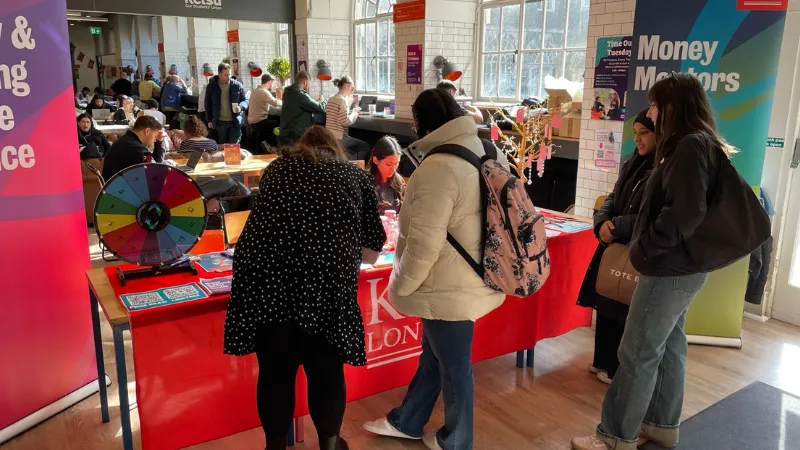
(390, 336)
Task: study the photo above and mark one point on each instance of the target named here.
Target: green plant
(280, 68)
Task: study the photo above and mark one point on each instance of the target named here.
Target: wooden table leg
(98, 355)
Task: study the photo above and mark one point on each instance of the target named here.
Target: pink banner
(46, 349)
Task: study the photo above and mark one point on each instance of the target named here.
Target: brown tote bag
(616, 277)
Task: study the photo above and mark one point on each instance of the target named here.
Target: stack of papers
(216, 286)
(216, 262)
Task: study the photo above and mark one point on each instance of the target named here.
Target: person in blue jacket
(222, 94)
(171, 94)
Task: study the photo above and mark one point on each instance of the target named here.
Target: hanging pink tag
(529, 161)
(495, 133)
(520, 115)
(550, 132)
(540, 164)
(555, 122)
(549, 151)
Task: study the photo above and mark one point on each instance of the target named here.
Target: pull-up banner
(279, 11)
(46, 349)
(732, 47)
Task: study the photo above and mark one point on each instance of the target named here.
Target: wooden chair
(234, 224)
(599, 202)
(210, 241)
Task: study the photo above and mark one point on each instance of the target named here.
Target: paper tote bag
(616, 277)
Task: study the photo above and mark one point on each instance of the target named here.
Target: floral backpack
(514, 254)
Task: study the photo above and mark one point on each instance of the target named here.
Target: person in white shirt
(339, 117)
(262, 103)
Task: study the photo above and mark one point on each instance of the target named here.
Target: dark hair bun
(336, 82)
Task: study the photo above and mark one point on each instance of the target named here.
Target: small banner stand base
(37, 417)
(125, 275)
(715, 341)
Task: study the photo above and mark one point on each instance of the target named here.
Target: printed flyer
(611, 77)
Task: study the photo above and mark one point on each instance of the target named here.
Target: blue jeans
(228, 132)
(445, 366)
(648, 386)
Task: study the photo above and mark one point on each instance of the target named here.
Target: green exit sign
(95, 30)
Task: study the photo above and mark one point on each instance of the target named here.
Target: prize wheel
(150, 214)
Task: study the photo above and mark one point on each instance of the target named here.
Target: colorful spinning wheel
(150, 214)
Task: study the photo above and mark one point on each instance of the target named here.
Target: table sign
(233, 154)
(162, 297)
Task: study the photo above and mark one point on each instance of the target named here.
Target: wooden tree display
(533, 125)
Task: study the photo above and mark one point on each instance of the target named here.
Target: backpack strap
(477, 162)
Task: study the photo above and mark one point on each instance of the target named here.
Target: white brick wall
(180, 59)
(260, 53)
(606, 18)
(405, 34)
(199, 56)
(454, 41)
(335, 50)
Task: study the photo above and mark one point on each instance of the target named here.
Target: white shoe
(588, 443)
(594, 370)
(603, 376)
(430, 441)
(382, 427)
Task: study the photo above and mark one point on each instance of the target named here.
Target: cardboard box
(570, 125)
(558, 97)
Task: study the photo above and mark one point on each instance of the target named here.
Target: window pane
(551, 64)
(370, 39)
(575, 66)
(361, 73)
(578, 23)
(489, 88)
(508, 75)
(530, 75)
(361, 47)
(372, 9)
(383, 74)
(391, 75)
(285, 45)
(491, 29)
(371, 72)
(391, 38)
(533, 25)
(383, 37)
(283, 26)
(556, 17)
(383, 6)
(360, 8)
(510, 38)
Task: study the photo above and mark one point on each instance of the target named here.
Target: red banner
(406, 12)
(46, 340)
(762, 5)
(181, 372)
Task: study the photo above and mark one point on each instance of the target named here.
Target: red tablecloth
(189, 392)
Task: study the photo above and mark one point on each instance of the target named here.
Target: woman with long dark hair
(645, 398)
(91, 141)
(432, 281)
(383, 164)
(295, 283)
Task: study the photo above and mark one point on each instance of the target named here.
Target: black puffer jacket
(621, 208)
(94, 143)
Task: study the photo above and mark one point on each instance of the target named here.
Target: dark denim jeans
(648, 386)
(228, 132)
(445, 366)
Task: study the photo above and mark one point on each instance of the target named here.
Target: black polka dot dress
(297, 260)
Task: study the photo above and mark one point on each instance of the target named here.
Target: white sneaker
(594, 370)
(430, 441)
(382, 427)
(588, 443)
(603, 376)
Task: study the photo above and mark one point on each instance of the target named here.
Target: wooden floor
(539, 408)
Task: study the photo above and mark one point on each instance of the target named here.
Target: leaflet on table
(221, 285)
(565, 225)
(386, 259)
(161, 297)
(216, 262)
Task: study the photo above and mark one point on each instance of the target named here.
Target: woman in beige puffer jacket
(432, 281)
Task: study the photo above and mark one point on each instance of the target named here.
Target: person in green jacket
(297, 110)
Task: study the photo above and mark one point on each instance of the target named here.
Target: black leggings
(281, 349)
(608, 335)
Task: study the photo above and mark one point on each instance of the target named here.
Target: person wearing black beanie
(614, 222)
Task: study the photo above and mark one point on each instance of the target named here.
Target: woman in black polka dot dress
(295, 283)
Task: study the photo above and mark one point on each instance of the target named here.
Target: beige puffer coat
(430, 279)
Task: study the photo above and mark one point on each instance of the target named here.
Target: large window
(283, 41)
(374, 46)
(523, 42)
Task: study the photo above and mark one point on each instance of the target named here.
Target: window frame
(564, 50)
(361, 85)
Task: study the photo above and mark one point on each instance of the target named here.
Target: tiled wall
(405, 34)
(180, 59)
(260, 53)
(606, 18)
(454, 41)
(335, 50)
(211, 55)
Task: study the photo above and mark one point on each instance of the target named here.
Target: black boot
(276, 443)
(332, 443)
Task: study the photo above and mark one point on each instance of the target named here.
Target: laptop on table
(101, 115)
(194, 159)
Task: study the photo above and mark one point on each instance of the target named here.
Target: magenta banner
(414, 64)
(46, 349)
